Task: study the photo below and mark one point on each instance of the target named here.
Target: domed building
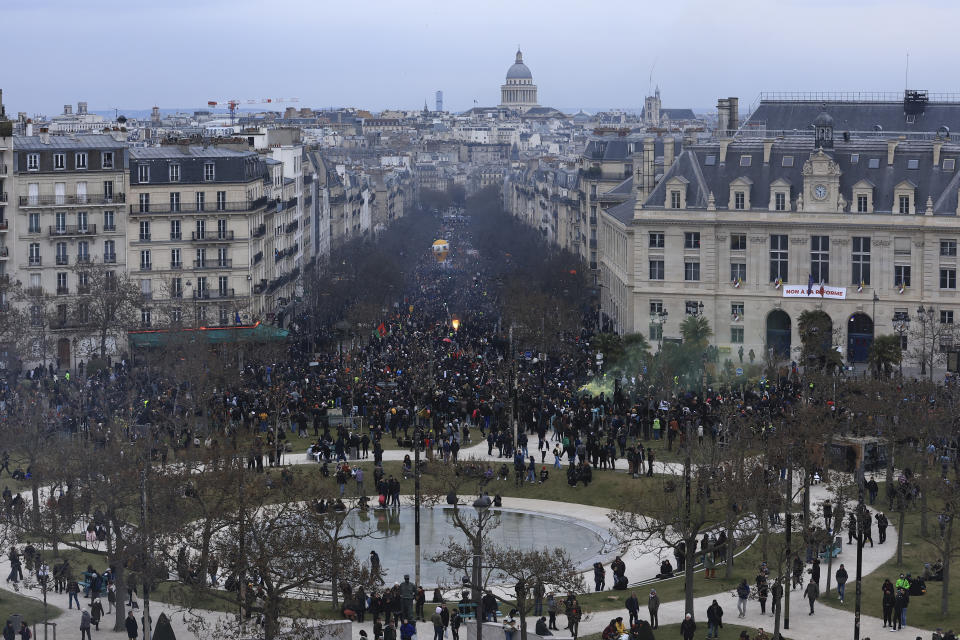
(518, 92)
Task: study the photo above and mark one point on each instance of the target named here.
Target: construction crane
(233, 103)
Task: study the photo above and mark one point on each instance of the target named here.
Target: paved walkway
(828, 621)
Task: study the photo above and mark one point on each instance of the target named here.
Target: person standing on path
(653, 605)
(881, 527)
(714, 620)
(633, 608)
(133, 629)
(776, 592)
(552, 608)
(812, 592)
(743, 592)
(887, 604)
(842, 578)
(688, 627)
(901, 602)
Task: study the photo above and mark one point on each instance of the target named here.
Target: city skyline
(379, 56)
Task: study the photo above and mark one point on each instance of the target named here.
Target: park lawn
(923, 611)
(178, 595)
(745, 566)
(28, 606)
(672, 631)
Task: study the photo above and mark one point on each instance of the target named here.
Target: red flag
(382, 330)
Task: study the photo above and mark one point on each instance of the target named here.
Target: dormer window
(780, 201)
(863, 197)
(740, 194)
(787, 161)
(676, 188)
(904, 200)
(780, 195)
(746, 160)
(949, 164)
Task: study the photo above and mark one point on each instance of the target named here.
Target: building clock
(820, 192)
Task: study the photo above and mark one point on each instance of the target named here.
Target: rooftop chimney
(668, 143)
(44, 135)
(723, 117)
(29, 128)
(734, 104)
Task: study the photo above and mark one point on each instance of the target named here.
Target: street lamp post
(925, 315)
(901, 324)
(660, 317)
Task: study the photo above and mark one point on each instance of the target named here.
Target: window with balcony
(201, 200)
(176, 287)
(109, 251)
(222, 259)
(109, 221)
(175, 201)
(144, 203)
(83, 251)
(82, 220)
(176, 261)
(60, 222)
(146, 264)
(221, 200)
(61, 253)
(144, 231)
(901, 275)
(738, 272)
(175, 230)
(221, 229)
(201, 230)
(33, 223)
(62, 288)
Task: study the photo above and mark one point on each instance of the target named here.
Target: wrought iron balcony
(73, 230)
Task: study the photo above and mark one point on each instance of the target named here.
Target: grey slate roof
(183, 151)
(623, 211)
(90, 141)
(854, 116)
(930, 180)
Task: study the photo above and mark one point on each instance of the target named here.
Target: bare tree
(107, 302)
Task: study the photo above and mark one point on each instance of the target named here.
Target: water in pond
(393, 539)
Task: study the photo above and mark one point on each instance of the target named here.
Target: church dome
(518, 70)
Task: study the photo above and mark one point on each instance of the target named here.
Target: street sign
(644, 370)
(739, 371)
(528, 354)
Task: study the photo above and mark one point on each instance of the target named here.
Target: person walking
(653, 606)
(842, 578)
(743, 592)
(96, 613)
(881, 527)
(73, 591)
(85, 625)
(812, 592)
(714, 620)
(437, 621)
(509, 627)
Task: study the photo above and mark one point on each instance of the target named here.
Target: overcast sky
(396, 53)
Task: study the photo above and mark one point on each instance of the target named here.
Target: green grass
(923, 611)
(672, 631)
(29, 607)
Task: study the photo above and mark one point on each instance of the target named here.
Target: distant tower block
(439, 101)
(155, 114)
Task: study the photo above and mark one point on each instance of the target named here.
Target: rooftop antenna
(906, 73)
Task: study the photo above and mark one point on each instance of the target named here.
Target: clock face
(820, 192)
